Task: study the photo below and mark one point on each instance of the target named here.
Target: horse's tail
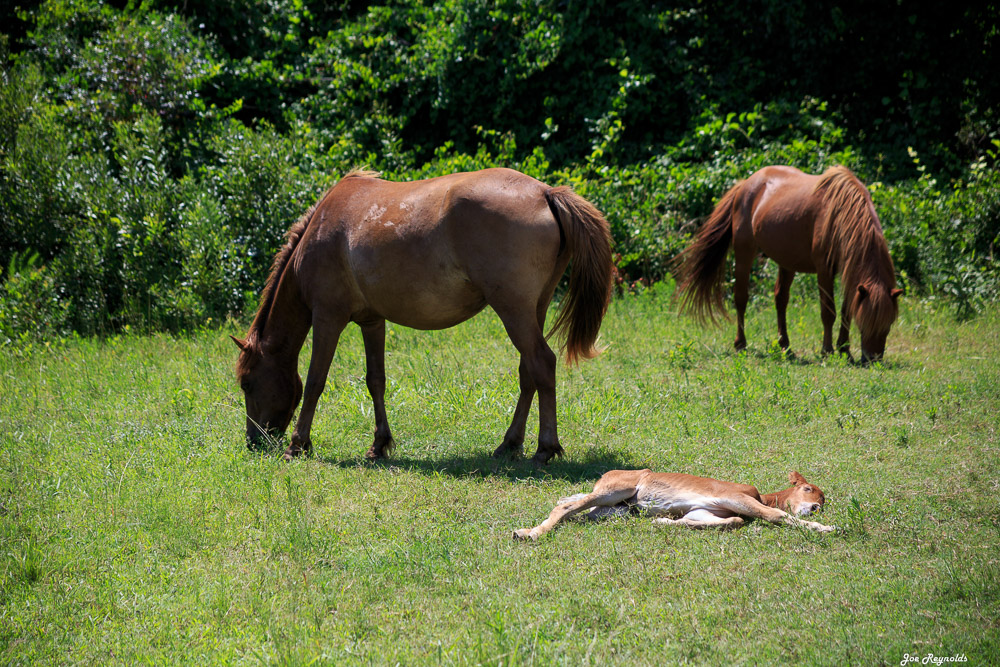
(588, 238)
(702, 265)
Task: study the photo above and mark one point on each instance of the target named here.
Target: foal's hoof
(524, 534)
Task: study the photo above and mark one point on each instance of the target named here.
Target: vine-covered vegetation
(152, 154)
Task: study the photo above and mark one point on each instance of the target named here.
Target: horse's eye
(245, 386)
(808, 489)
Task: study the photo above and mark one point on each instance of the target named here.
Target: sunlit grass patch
(135, 525)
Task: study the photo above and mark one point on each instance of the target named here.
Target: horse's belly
(436, 304)
(789, 248)
(785, 236)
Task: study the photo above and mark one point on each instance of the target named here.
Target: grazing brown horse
(428, 255)
(810, 224)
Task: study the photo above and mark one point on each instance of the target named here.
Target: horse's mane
(251, 346)
(854, 240)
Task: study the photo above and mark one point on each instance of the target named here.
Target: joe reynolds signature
(931, 659)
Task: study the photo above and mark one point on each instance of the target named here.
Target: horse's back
(780, 215)
(426, 253)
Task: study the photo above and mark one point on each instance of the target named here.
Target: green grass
(136, 527)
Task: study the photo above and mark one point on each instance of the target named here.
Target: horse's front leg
(827, 310)
(374, 339)
(782, 287)
(844, 337)
(326, 334)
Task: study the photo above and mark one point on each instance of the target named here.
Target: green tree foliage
(152, 154)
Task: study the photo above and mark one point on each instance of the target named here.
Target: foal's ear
(795, 478)
(862, 292)
(242, 344)
(895, 293)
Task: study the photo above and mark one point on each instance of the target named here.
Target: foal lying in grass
(685, 500)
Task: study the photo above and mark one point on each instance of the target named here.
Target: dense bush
(151, 157)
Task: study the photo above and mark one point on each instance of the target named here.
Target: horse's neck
(288, 320)
(867, 262)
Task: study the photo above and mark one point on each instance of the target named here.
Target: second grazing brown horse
(428, 255)
(825, 225)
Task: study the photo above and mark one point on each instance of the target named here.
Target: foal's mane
(251, 346)
(853, 234)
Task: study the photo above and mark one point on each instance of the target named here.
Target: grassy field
(136, 527)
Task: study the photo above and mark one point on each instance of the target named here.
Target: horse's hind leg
(744, 256)
(782, 286)
(373, 335)
(513, 439)
(537, 371)
(326, 333)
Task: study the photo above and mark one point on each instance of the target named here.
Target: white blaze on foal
(685, 500)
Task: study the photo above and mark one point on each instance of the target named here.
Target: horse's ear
(242, 344)
(795, 478)
(895, 293)
(862, 292)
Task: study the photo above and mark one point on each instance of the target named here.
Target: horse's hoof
(543, 456)
(524, 534)
(292, 453)
(380, 449)
(508, 450)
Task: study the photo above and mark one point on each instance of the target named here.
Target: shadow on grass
(836, 360)
(594, 464)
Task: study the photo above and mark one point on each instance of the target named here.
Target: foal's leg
(748, 506)
(326, 333)
(731, 523)
(373, 335)
(608, 497)
(781, 289)
(827, 311)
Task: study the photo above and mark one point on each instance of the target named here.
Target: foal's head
(803, 498)
(875, 310)
(271, 388)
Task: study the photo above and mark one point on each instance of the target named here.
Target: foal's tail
(588, 238)
(702, 265)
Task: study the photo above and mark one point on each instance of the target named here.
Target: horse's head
(803, 498)
(271, 388)
(875, 310)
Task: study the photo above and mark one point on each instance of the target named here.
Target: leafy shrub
(153, 156)
(945, 241)
(109, 65)
(30, 305)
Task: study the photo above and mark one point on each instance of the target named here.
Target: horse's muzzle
(257, 438)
